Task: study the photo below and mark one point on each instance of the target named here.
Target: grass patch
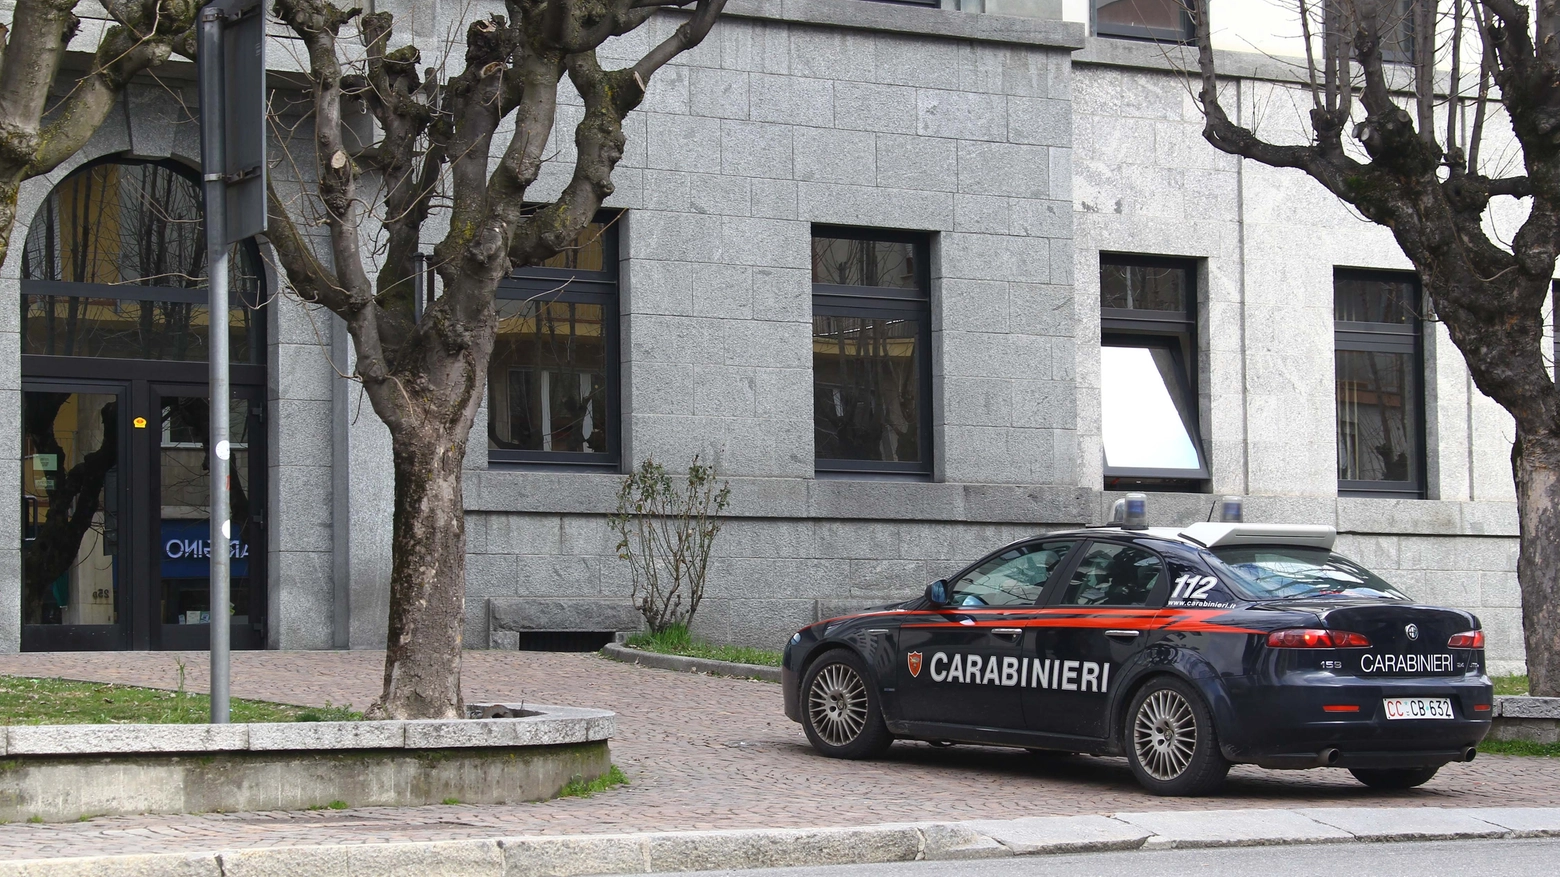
(1520, 747)
(678, 641)
(28, 701)
(580, 788)
(1514, 685)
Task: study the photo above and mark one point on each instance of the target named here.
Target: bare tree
(1432, 191)
(37, 134)
(424, 373)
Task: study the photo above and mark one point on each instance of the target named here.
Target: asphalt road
(1480, 858)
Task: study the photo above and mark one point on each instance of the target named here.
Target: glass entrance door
(116, 540)
(74, 557)
(182, 512)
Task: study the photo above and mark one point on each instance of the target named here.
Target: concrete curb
(659, 661)
(660, 852)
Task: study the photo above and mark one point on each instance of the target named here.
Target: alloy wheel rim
(837, 705)
(1164, 735)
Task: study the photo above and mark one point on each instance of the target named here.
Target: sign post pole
(232, 151)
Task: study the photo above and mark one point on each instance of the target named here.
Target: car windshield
(1285, 572)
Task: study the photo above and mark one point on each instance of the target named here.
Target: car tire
(1394, 778)
(840, 709)
(1170, 740)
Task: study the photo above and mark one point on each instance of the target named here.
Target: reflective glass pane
(70, 508)
(1162, 14)
(548, 381)
(129, 223)
(867, 388)
(1013, 578)
(66, 325)
(1375, 299)
(587, 254)
(1145, 412)
(1143, 287)
(184, 537)
(846, 262)
(1113, 575)
(1378, 416)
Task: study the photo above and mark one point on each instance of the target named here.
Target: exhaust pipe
(1328, 757)
(1470, 753)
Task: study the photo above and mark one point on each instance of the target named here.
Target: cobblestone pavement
(700, 752)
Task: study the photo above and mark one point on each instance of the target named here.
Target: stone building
(918, 281)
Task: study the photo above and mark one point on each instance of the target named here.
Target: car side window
(1114, 575)
(1013, 578)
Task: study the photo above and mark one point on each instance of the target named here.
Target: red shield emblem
(915, 663)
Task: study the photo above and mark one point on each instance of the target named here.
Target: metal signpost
(232, 154)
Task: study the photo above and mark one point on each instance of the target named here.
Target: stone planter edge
(551, 725)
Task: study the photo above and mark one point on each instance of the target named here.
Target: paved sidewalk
(732, 850)
(701, 753)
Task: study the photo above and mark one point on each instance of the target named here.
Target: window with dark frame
(1380, 386)
(872, 370)
(554, 377)
(1160, 21)
(1397, 39)
(1148, 379)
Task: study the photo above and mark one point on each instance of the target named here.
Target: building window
(1396, 26)
(1148, 387)
(1162, 21)
(115, 267)
(1381, 423)
(871, 351)
(553, 381)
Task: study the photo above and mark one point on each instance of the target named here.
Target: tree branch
(39, 32)
(688, 34)
(312, 280)
(143, 38)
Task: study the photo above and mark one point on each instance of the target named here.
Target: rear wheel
(840, 710)
(1394, 778)
(1170, 740)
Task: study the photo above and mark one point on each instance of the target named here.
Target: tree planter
(1534, 719)
(63, 772)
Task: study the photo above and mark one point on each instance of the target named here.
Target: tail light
(1316, 638)
(1472, 639)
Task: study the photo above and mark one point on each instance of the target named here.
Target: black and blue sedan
(1185, 649)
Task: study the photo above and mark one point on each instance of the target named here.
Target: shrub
(666, 531)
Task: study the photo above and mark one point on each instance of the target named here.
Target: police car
(1185, 649)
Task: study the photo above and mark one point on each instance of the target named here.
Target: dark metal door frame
(139, 384)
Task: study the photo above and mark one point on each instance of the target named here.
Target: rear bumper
(1286, 725)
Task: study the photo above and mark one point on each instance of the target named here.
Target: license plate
(1418, 708)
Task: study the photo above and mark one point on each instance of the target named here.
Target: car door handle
(1122, 634)
(1007, 631)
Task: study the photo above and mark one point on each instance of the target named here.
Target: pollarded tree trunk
(427, 578)
(1535, 460)
(430, 411)
(424, 369)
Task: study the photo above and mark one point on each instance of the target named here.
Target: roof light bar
(1131, 512)
(1231, 510)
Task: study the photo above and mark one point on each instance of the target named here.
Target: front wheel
(840, 710)
(1394, 778)
(1170, 740)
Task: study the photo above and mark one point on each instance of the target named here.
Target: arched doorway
(115, 479)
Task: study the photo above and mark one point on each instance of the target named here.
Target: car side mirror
(937, 592)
